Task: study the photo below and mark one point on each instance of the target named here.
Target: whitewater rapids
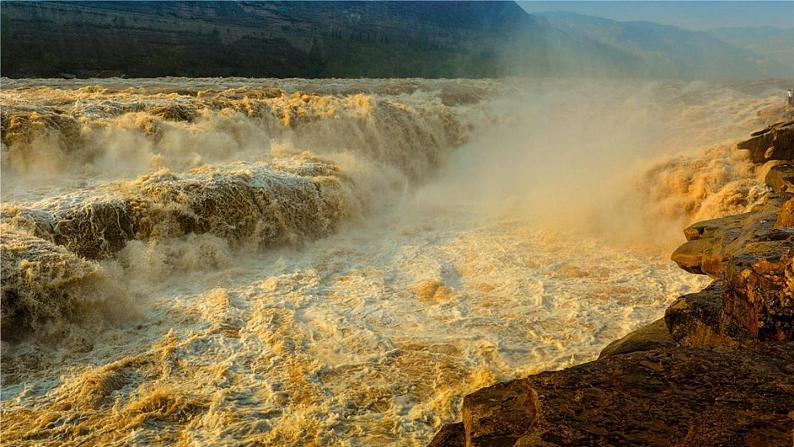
(337, 262)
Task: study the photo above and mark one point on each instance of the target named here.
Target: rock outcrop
(752, 254)
(717, 370)
(776, 142)
(663, 397)
(781, 178)
(711, 243)
(652, 336)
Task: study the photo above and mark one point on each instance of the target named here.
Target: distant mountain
(774, 43)
(669, 51)
(281, 39)
(348, 39)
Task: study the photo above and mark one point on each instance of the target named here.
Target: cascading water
(336, 262)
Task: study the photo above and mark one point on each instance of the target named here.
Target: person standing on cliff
(790, 97)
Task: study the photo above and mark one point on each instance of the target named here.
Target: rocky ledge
(717, 370)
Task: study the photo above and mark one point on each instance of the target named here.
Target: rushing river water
(337, 262)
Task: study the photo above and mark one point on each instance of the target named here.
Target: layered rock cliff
(716, 370)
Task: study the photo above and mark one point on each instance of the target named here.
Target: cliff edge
(716, 370)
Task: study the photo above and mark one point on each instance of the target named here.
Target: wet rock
(711, 243)
(760, 292)
(653, 336)
(684, 397)
(773, 143)
(450, 435)
(723, 425)
(785, 217)
(697, 319)
(699, 256)
(497, 415)
(694, 319)
(752, 298)
(781, 178)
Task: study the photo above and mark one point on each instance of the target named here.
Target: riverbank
(716, 370)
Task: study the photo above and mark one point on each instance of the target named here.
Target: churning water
(336, 262)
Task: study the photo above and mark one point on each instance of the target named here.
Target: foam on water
(296, 262)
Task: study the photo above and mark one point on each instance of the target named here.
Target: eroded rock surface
(711, 243)
(652, 336)
(752, 256)
(760, 294)
(697, 319)
(682, 397)
(781, 178)
(773, 143)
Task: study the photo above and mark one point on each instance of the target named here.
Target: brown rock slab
(713, 242)
(776, 142)
(785, 219)
(760, 292)
(450, 435)
(493, 415)
(653, 336)
(683, 397)
(781, 178)
(697, 319)
(700, 256)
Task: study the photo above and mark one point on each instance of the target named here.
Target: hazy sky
(699, 15)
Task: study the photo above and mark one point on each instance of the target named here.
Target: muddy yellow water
(328, 262)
